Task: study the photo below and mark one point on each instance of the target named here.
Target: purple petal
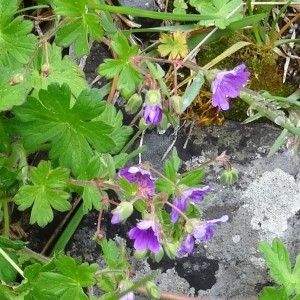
(152, 114)
(115, 219)
(205, 231)
(197, 194)
(187, 246)
(181, 204)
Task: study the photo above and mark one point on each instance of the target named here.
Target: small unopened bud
(229, 176)
(152, 290)
(153, 97)
(46, 70)
(158, 256)
(133, 104)
(170, 250)
(176, 104)
(16, 79)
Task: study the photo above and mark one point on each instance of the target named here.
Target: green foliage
(45, 193)
(61, 278)
(77, 26)
(16, 40)
(278, 261)
(122, 66)
(73, 131)
(222, 10)
(171, 167)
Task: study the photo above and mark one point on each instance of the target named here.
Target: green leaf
(11, 95)
(296, 274)
(77, 27)
(278, 261)
(271, 293)
(68, 283)
(221, 10)
(110, 252)
(162, 185)
(120, 133)
(72, 131)
(17, 43)
(193, 177)
(7, 243)
(7, 178)
(91, 198)
(7, 293)
(172, 165)
(45, 193)
(122, 66)
(278, 143)
(7, 271)
(192, 91)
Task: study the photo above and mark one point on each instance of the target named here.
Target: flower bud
(133, 104)
(46, 70)
(153, 97)
(170, 250)
(158, 256)
(16, 79)
(229, 176)
(176, 104)
(152, 290)
(122, 212)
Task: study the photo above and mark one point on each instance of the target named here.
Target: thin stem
(178, 210)
(6, 218)
(132, 140)
(13, 264)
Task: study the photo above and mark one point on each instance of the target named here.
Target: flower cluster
(149, 234)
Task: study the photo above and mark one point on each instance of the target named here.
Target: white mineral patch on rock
(272, 199)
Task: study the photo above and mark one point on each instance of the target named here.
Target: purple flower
(142, 177)
(202, 231)
(194, 194)
(152, 114)
(228, 84)
(146, 236)
(152, 110)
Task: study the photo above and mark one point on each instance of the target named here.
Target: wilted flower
(142, 177)
(146, 236)
(152, 110)
(228, 84)
(201, 231)
(194, 194)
